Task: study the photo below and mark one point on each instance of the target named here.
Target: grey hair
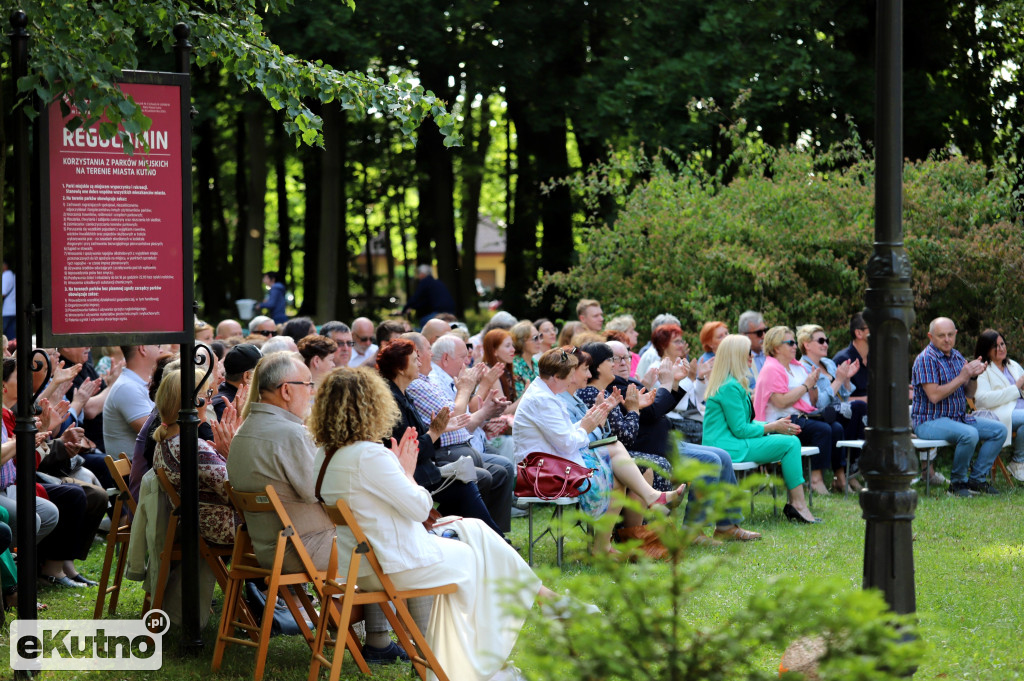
(334, 327)
(663, 319)
(418, 339)
(270, 372)
(445, 345)
(500, 320)
(257, 320)
(425, 269)
(749, 320)
(278, 344)
(624, 322)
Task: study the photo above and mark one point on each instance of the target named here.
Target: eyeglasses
(623, 358)
(346, 344)
(266, 333)
(823, 341)
(757, 332)
(790, 343)
(364, 339)
(308, 384)
(537, 337)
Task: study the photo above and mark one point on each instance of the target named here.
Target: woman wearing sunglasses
(785, 388)
(834, 389)
(526, 340)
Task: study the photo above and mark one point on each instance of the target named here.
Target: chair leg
(122, 563)
(224, 629)
(529, 524)
(108, 559)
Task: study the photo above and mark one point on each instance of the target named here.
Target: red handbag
(548, 477)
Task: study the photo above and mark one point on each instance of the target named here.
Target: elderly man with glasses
(365, 350)
(751, 325)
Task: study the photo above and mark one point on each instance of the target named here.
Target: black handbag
(284, 624)
(828, 414)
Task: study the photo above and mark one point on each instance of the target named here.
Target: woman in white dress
(473, 630)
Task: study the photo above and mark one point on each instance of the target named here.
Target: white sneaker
(1016, 469)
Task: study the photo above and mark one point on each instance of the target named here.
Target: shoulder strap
(323, 471)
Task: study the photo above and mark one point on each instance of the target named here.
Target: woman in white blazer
(1001, 391)
(473, 630)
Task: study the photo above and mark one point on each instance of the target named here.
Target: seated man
(496, 476)
(273, 447)
(239, 363)
(942, 381)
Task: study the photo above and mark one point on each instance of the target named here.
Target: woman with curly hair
(472, 630)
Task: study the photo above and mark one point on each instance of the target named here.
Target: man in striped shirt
(943, 380)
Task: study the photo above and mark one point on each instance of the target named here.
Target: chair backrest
(341, 515)
(168, 488)
(120, 470)
(268, 501)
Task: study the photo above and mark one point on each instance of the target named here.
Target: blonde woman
(729, 424)
(526, 341)
(217, 518)
(785, 388)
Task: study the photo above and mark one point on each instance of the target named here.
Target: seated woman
(398, 362)
(626, 324)
(711, 334)
(526, 341)
(568, 331)
(784, 388)
(729, 424)
(548, 335)
(217, 517)
(543, 425)
(500, 351)
(834, 388)
(1000, 391)
(472, 631)
(668, 342)
(626, 421)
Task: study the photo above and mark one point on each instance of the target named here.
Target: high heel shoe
(792, 514)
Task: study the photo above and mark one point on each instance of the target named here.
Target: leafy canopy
(81, 53)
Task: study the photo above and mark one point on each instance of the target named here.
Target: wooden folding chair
(245, 566)
(214, 554)
(117, 536)
(344, 596)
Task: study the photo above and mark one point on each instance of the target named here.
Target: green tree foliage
(85, 59)
(790, 236)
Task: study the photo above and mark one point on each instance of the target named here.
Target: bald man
(943, 380)
(434, 329)
(228, 328)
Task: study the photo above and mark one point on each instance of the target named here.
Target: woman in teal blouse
(729, 424)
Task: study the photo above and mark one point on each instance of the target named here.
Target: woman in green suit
(729, 424)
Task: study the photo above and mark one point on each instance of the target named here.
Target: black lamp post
(889, 461)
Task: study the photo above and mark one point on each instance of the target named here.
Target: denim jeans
(720, 459)
(965, 438)
(1017, 423)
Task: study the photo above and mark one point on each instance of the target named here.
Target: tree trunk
(333, 287)
(284, 225)
(242, 203)
(556, 206)
(257, 199)
(521, 235)
(312, 172)
(478, 140)
(212, 253)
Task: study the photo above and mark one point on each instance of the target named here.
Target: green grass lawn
(969, 556)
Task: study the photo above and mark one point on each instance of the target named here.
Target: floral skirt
(594, 501)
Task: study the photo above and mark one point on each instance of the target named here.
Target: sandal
(703, 540)
(737, 533)
(662, 499)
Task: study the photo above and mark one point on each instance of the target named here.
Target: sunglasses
(364, 339)
(565, 355)
(346, 344)
(537, 337)
(268, 334)
(790, 343)
(823, 341)
(759, 333)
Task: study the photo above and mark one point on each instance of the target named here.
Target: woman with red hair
(711, 335)
(689, 413)
(499, 354)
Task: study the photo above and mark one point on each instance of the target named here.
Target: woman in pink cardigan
(785, 388)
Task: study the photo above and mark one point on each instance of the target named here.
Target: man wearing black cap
(239, 363)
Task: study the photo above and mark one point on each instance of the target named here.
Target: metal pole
(25, 426)
(188, 420)
(889, 461)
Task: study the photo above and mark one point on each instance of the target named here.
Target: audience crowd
(403, 421)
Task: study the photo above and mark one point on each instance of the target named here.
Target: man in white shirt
(128, 404)
(365, 350)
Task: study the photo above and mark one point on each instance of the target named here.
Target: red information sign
(115, 232)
